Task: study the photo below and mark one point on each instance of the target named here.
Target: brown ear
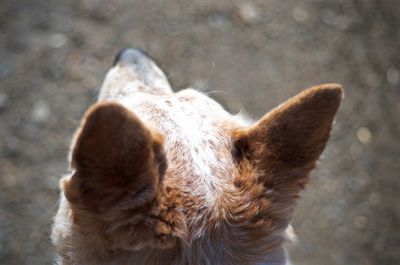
(115, 157)
(285, 144)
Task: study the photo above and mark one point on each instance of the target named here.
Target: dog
(172, 178)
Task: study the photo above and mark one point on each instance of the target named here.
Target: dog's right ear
(118, 161)
(284, 146)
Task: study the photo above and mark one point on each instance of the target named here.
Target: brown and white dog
(172, 178)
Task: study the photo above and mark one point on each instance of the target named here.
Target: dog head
(172, 178)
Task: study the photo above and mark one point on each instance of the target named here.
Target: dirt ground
(252, 55)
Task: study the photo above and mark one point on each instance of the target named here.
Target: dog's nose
(133, 64)
(131, 56)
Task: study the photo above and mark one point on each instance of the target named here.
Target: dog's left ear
(286, 143)
(117, 160)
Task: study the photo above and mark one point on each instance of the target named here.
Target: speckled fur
(172, 178)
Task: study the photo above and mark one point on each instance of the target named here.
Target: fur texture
(172, 178)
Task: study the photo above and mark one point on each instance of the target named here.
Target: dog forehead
(187, 109)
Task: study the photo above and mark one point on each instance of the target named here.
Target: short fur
(172, 178)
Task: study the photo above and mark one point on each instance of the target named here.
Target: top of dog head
(172, 178)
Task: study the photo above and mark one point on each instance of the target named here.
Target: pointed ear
(285, 144)
(115, 157)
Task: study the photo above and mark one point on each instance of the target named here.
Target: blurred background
(253, 55)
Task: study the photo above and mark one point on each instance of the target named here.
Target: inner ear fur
(115, 156)
(292, 136)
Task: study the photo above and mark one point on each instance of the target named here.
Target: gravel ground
(252, 55)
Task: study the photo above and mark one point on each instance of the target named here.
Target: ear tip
(105, 108)
(329, 96)
(330, 90)
(107, 113)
